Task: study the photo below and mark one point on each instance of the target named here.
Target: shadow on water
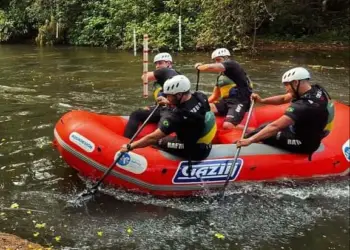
(38, 85)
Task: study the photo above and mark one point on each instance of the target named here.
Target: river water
(38, 85)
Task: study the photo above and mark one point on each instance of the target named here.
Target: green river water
(38, 85)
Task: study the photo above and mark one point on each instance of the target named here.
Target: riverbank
(262, 44)
(13, 242)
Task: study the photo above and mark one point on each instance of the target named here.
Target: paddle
(198, 72)
(92, 191)
(238, 150)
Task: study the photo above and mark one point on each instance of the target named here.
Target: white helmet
(298, 73)
(220, 52)
(163, 57)
(176, 84)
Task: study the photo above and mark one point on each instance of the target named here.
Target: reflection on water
(38, 85)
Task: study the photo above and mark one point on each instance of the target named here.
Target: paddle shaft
(120, 156)
(238, 149)
(197, 85)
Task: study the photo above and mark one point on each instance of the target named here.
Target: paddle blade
(83, 197)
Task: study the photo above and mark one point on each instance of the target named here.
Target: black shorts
(139, 116)
(233, 109)
(142, 114)
(288, 140)
(173, 145)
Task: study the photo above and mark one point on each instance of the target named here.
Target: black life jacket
(193, 120)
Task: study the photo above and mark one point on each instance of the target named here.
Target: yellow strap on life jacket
(208, 138)
(329, 127)
(209, 129)
(225, 90)
(156, 92)
(330, 122)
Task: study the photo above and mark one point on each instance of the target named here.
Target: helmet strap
(178, 100)
(296, 91)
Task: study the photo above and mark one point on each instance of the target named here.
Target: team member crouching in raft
(306, 121)
(191, 120)
(164, 71)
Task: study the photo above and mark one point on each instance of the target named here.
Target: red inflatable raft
(89, 142)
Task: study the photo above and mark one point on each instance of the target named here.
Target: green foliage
(6, 27)
(205, 24)
(12, 22)
(303, 19)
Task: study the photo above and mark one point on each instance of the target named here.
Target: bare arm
(272, 129)
(276, 100)
(213, 67)
(149, 139)
(215, 95)
(150, 77)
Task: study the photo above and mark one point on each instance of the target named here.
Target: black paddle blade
(221, 197)
(89, 192)
(83, 197)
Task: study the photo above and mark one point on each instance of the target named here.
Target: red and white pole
(145, 65)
